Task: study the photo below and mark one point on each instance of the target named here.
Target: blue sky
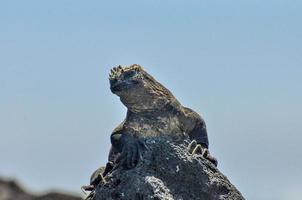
(238, 63)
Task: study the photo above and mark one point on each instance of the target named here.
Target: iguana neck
(171, 107)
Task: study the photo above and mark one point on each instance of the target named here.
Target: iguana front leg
(130, 149)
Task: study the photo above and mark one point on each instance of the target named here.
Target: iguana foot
(97, 177)
(195, 148)
(131, 152)
(198, 149)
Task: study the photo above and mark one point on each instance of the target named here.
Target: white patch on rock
(177, 168)
(159, 188)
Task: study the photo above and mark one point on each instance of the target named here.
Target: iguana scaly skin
(152, 111)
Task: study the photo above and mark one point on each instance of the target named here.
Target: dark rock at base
(167, 172)
(11, 190)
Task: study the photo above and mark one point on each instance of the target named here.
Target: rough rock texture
(167, 171)
(10, 190)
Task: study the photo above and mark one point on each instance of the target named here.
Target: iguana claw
(97, 178)
(198, 149)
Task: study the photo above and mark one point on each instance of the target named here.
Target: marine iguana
(152, 111)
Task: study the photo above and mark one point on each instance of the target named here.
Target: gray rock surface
(167, 172)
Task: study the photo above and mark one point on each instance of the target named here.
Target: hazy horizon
(236, 63)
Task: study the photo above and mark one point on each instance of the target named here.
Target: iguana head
(125, 79)
(138, 90)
